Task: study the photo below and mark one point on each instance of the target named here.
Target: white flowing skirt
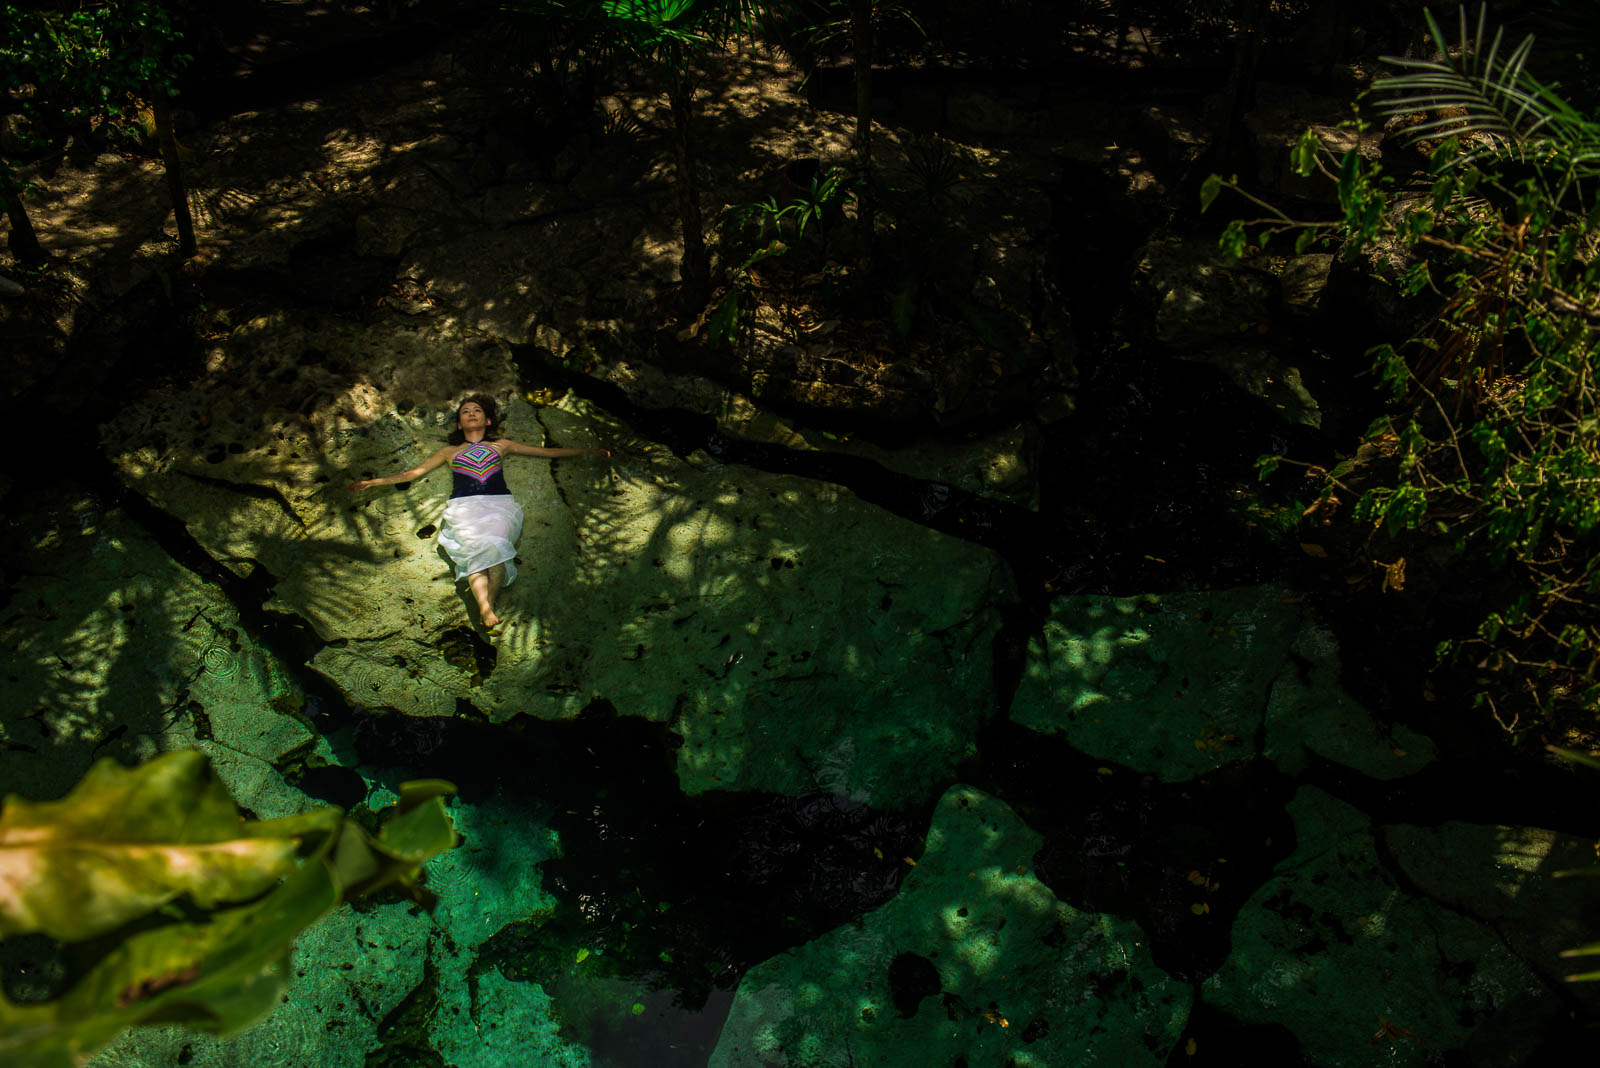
(480, 532)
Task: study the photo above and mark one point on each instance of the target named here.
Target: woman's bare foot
(490, 620)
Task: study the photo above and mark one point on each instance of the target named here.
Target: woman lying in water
(482, 521)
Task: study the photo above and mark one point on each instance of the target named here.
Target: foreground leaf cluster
(189, 910)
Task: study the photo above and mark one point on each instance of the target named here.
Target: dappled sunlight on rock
(1181, 684)
(118, 651)
(781, 626)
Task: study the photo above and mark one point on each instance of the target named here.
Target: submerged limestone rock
(389, 974)
(975, 958)
(1507, 878)
(1176, 685)
(114, 650)
(1362, 972)
(786, 630)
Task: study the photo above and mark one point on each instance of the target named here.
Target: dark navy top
(475, 471)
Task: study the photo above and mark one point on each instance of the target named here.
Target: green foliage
(1232, 240)
(761, 230)
(93, 62)
(190, 909)
(722, 327)
(1491, 445)
(760, 222)
(1481, 95)
(935, 174)
(1303, 157)
(666, 32)
(1509, 464)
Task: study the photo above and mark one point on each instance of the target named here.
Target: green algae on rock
(1359, 970)
(1177, 685)
(975, 957)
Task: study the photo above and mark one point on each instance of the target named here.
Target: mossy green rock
(1309, 712)
(975, 958)
(1362, 972)
(114, 649)
(1177, 685)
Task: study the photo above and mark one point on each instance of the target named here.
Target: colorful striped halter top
(476, 471)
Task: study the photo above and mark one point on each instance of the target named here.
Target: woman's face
(471, 415)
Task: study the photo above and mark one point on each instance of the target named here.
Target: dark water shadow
(670, 893)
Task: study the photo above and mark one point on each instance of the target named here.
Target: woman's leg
(497, 575)
(484, 586)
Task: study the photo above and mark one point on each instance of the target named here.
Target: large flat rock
(794, 636)
(115, 650)
(1509, 878)
(975, 961)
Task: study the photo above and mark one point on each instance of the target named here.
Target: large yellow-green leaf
(126, 841)
(221, 973)
(415, 828)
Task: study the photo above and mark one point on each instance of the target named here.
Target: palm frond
(1483, 94)
(1493, 93)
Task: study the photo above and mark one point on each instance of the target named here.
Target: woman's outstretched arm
(406, 476)
(516, 448)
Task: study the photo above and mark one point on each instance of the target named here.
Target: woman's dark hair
(490, 409)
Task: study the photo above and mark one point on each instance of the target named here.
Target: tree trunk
(24, 243)
(861, 33)
(694, 270)
(175, 184)
(1240, 95)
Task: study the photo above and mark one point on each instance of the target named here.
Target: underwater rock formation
(1179, 684)
(973, 958)
(1362, 972)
